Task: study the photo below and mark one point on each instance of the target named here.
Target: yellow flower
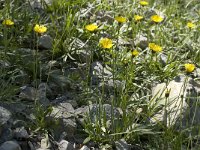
(144, 3)
(191, 25)
(135, 52)
(120, 19)
(156, 18)
(106, 43)
(91, 27)
(155, 48)
(189, 68)
(40, 28)
(138, 18)
(8, 22)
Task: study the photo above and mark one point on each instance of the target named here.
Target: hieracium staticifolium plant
(110, 54)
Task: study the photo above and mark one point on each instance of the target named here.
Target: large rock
(45, 143)
(28, 93)
(141, 41)
(84, 148)
(45, 42)
(82, 111)
(6, 135)
(37, 4)
(179, 101)
(110, 86)
(5, 116)
(64, 112)
(106, 108)
(81, 51)
(21, 133)
(10, 145)
(65, 145)
(33, 94)
(98, 72)
(42, 94)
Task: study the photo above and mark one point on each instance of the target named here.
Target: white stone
(45, 143)
(65, 145)
(180, 107)
(84, 148)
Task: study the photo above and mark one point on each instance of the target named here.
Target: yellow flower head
(138, 18)
(135, 53)
(189, 68)
(8, 22)
(106, 43)
(40, 28)
(144, 3)
(155, 48)
(156, 18)
(91, 27)
(120, 19)
(191, 25)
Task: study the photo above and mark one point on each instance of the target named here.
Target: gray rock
(106, 18)
(110, 85)
(122, 145)
(141, 41)
(84, 55)
(37, 4)
(107, 108)
(31, 146)
(82, 52)
(82, 111)
(28, 93)
(69, 126)
(64, 112)
(81, 114)
(45, 42)
(163, 59)
(149, 13)
(45, 143)
(67, 99)
(197, 73)
(124, 41)
(18, 123)
(5, 116)
(6, 135)
(41, 94)
(10, 145)
(65, 145)
(84, 148)
(181, 108)
(21, 133)
(15, 107)
(59, 82)
(98, 72)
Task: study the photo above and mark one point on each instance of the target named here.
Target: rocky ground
(58, 121)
